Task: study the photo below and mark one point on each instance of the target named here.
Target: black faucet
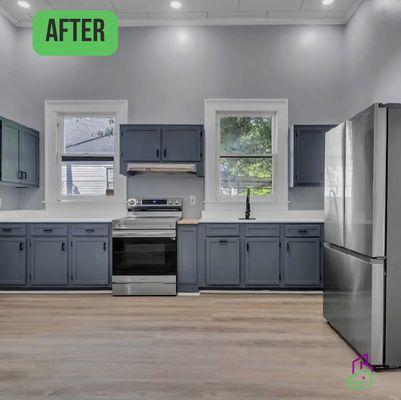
(248, 204)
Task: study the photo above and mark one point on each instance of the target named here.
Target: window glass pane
(246, 135)
(88, 135)
(87, 178)
(238, 174)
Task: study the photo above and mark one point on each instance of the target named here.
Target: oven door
(141, 253)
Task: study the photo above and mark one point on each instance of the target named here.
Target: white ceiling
(200, 12)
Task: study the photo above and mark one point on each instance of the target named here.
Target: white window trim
(54, 110)
(276, 107)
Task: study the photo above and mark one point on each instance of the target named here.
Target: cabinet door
(187, 252)
(10, 137)
(140, 143)
(49, 262)
(90, 261)
(309, 154)
(181, 144)
(262, 261)
(222, 261)
(302, 262)
(29, 156)
(12, 261)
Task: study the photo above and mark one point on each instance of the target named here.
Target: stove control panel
(154, 203)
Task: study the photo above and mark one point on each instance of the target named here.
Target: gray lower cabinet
(223, 261)
(187, 254)
(48, 261)
(302, 262)
(55, 255)
(262, 262)
(256, 255)
(12, 261)
(90, 261)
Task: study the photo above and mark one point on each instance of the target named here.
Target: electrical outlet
(192, 200)
(1, 202)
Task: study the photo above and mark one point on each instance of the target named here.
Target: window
(246, 158)
(87, 158)
(81, 155)
(246, 144)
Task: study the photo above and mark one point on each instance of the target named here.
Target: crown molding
(6, 14)
(126, 23)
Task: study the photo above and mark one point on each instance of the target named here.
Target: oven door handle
(144, 233)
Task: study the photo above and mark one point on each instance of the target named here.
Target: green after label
(75, 33)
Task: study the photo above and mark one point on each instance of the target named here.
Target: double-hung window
(82, 155)
(87, 155)
(246, 143)
(246, 159)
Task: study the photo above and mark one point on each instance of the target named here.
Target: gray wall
(165, 73)
(373, 54)
(8, 93)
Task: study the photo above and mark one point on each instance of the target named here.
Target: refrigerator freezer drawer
(353, 301)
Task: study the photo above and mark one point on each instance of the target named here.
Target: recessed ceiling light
(176, 4)
(23, 4)
(327, 2)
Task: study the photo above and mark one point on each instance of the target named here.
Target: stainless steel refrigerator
(362, 228)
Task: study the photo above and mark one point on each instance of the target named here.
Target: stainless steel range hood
(133, 168)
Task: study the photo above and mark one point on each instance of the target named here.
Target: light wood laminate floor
(211, 347)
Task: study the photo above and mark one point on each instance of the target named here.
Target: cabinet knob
(21, 246)
(63, 246)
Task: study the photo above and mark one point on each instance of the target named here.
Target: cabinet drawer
(12, 229)
(302, 230)
(262, 230)
(90, 230)
(49, 230)
(222, 230)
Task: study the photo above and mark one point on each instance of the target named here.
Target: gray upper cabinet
(140, 143)
(12, 261)
(223, 261)
(161, 143)
(187, 253)
(262, 261)
(49, 261)
(182, 144)
(19, 154)
(302, 262)
(29, 157)
(90, 261)
(10, 144)
(309, 154)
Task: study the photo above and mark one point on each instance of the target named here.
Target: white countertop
(260, 221)
(290, 216)
(38, 216)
